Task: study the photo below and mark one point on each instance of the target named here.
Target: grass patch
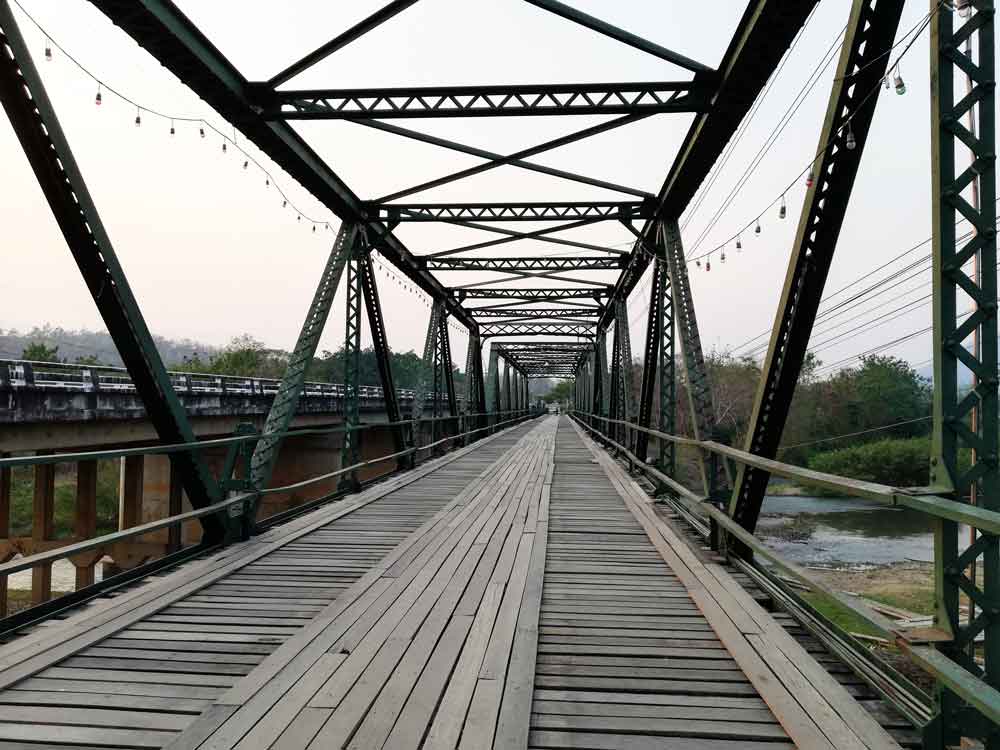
(22, 499)
(840, 615)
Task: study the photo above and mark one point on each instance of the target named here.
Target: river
(844, 532)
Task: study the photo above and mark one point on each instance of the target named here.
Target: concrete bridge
(492, 576)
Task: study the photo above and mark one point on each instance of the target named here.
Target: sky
(211, 253)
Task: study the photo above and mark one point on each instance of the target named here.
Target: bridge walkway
(520, 593)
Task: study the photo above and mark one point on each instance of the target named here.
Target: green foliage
(561, 391)
(38, 351)
(244, 355)
(898, 462)
(22, 499)
(406, 369)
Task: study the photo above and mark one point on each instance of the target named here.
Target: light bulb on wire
(173, 130)
(897, 81)
(98, 99)
(138, 117)
(246, 164)
(223, 147)
(810, 179)
(756, 229)
(48, 50)
(201, 132)
(850, 142)
(739, 243)
(782, 211)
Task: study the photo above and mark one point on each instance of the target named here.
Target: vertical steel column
(480, 392)
(600, 377)
(505, 401)
(493, 385)
(279, 418)
(447, 373)
(952, 403)
(383, 354)
(350, 453)
(658, 365)
(856, 86)
(626, 394)
(38, 129)
(428, 370)
(699, 389)
(615, 383)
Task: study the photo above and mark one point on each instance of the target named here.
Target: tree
(561, 391)
(38, 351)
(244, 356)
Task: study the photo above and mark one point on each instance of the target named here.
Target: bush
(896, 462)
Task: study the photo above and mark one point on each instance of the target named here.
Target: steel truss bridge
(522, 589)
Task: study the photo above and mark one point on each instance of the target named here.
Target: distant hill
(74, 345)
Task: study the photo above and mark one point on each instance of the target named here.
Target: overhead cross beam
(482, 101)
(585, 330)
(541, 211)
(535, 294)
(532, 313)
(605, 263)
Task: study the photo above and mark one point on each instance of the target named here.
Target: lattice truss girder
(966, 420)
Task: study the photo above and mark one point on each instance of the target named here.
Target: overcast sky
(211, 253)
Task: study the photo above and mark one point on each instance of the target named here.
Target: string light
(173, 130)
(897, 82)
(756, 229)
(810, 179)
(722, 257)
(138, 117)
(964, 8)
(850, 142)
(739, 243)
(201, 132)
(98, 99)
(782, 211)
(48, 50)
(246, 164)
(223, 147)
(284, 204)
(708, 264)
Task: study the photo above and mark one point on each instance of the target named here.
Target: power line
(855, 434)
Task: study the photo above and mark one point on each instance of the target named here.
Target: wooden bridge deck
(518, 593)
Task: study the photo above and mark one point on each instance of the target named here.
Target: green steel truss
(279, 418)
(351, 448)
(965, 418)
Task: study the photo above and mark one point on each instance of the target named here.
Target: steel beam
(620, 35)
(516, 100)
(350, 453)
(604, 263)
(851, 107)
(493, 382)
(41, 136)
(428, 370)
(383, 353)
(557, 293)
(696, 381)
(340, 41)
(172, 39)
(658, 364)
(763, 35)
(583, 330)
(547, 211)
(974, 571)
(532, 313)
(282, 411)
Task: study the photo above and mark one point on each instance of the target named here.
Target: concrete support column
(42, 529)
(85, 517)
(130, 492)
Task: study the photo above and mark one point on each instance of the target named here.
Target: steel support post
(954, 402)
(350, 452)
(383, 354)
(861, 70)
(615, 384)
(493, 385)
(505, 401)
(696, 381)
(428, 371)
(480, 391)
(600, 377)
(658, 366)
(34, 120)
(282, 411)
(447, 370)
(626, 388)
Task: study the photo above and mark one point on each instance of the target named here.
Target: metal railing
(916, 645)
(66, 377)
